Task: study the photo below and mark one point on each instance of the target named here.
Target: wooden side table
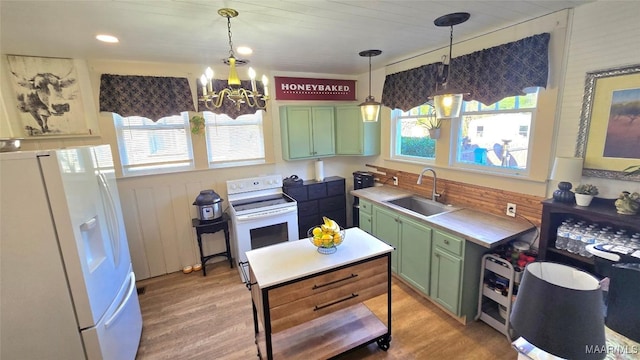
(211, 227)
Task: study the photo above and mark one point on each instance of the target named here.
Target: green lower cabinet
(446, 271)
(366, 223)
(415, 254)
(385, 228)
(438, 263)
(412, 241)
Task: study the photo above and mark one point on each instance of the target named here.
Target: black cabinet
(317, 199)
(601, 211)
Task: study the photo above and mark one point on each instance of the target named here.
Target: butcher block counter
(310, 305)
(484, 229)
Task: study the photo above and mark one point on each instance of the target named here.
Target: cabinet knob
(437, 255)
(446, 241)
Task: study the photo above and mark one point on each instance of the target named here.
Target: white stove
(261, 214)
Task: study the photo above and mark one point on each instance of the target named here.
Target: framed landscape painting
(47, 95)
(609, 132)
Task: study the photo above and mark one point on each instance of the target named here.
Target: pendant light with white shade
(447, 101)
(370, 108)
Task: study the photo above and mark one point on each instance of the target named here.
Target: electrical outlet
(511, 209)
(395, 180)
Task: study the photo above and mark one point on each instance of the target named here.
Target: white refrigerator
(67, 286)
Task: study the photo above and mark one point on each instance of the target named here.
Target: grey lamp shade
(560, 310)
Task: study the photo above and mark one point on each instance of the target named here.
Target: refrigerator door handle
(125, 301)
(111, 218)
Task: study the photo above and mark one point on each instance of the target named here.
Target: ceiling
(319, 36)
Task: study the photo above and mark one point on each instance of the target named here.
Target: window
(496, 136)
(148, 147)
(232, 142)
(411, 135)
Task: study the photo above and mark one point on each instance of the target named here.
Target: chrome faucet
(434, 194)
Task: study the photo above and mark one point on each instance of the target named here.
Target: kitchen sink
(421, 205)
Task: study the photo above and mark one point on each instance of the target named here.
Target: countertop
(290, 260)
(484, 229)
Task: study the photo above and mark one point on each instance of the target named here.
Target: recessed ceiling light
(244, 50)
(107, 38)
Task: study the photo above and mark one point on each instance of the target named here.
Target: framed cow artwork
(48, 97)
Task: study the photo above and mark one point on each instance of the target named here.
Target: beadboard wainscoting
(158, 221)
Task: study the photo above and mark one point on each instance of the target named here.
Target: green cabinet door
(353, 136)
(307, 132)
(446, 271)
(295, 126)
(386, 228)
(366, 223)
(415, 254)
(323, 131)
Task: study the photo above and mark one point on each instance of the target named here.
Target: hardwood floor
(188, 316)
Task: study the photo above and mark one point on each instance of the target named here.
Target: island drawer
(311, 307)
(352, 277)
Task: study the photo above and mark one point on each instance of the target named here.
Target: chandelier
(448, 102)
(234, 90)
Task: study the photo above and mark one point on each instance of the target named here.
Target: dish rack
(497, 294)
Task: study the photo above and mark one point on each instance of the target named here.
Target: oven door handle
(267, 214)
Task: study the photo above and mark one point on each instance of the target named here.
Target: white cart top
(290, 260)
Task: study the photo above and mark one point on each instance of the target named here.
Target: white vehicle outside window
(497, 137)
(148, 147)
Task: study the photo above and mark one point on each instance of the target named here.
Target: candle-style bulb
(209, 73)
(265, 84)
(203, 82)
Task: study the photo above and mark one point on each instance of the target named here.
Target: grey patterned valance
(147, 96)
(488, 75)
(229, 107)
(410, 88)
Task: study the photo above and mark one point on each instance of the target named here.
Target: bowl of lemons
(327, 236)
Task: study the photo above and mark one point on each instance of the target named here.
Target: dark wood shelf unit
(601, 211)
(317, 199)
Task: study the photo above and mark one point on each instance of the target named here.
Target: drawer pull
(446, 241)
(353, 295)
(334, 281)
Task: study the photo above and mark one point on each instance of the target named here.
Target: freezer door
(90, 232)
(117, 335)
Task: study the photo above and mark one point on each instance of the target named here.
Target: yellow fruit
(317, 231)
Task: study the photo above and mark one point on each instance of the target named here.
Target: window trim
(130, 170)
(496, 170)
(394, 148)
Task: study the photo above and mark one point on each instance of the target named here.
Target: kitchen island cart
(310, 305)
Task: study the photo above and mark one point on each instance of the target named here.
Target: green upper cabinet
(353, 136)
(307, 132)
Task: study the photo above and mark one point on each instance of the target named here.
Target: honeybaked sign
(290, 88)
